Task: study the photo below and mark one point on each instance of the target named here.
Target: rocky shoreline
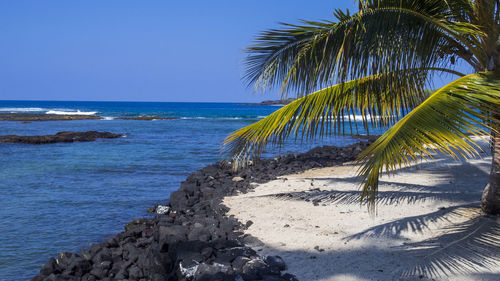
(59, 137)
(192, 238)
(32, 117)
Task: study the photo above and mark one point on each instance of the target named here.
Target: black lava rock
(195, 239)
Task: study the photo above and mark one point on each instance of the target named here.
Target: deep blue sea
(65, 196)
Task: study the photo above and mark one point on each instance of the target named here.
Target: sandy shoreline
(428, 222)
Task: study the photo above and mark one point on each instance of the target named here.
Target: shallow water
(65, 196)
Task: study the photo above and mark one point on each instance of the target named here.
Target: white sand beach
(428, 224)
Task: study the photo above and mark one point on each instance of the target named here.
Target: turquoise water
(62, 197)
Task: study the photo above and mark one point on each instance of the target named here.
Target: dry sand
(428, 225)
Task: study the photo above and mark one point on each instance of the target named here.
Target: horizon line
(2, 100)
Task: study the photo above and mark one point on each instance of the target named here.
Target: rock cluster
(28, 117)
(31, 117)
(192, 238)
(59, 137)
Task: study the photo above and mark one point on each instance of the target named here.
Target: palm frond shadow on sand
(354, 197)
(464, 248)
(450, 189)
(408, 193)
(415, 224)
(470, 244)
(470, 248)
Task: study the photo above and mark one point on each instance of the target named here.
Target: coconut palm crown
(377, 63)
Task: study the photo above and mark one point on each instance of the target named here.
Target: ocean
(62, 197)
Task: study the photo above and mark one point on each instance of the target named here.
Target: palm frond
(380, 100)
(380, 38)
(444, 123)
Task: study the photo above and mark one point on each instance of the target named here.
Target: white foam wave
(78, 112)
(21, 109)
(191, 118)
(108, 118)
(230, 118)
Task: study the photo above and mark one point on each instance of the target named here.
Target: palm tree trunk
(490, 202)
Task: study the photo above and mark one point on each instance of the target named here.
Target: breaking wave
(63, 112)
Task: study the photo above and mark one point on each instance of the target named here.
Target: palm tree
(378, 63)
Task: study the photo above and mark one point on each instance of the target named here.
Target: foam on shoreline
(71, 112)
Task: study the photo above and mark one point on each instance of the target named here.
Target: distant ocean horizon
(63, 197)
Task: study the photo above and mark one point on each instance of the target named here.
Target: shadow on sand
(466, 250)
(469, 247)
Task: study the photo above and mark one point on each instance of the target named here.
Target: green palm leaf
(379, 61)
(380, 100)
(387, 37)
(444, 123)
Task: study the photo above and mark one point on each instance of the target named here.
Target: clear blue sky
(137, 50)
